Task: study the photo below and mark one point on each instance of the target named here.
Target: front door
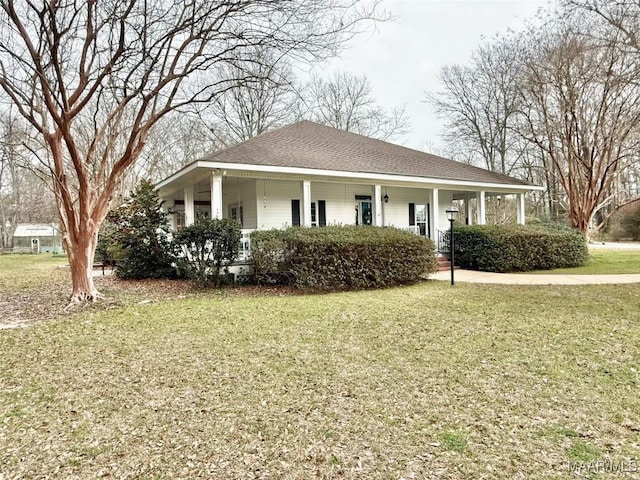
(365, 213)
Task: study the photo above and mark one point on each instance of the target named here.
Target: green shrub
(340, 257)
(206, 247)
(508, 248)
(134, 236)
(109, 249)
(268, 257)
(631, 224)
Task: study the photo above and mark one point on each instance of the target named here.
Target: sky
(402, 58)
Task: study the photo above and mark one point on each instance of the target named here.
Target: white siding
(274, 202)
(241, 191)
(341, 200)
(267, 203)
(396, 211)
(446, 200)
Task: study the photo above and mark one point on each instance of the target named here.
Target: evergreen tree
(135, 236)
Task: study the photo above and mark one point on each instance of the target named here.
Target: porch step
(444, 264)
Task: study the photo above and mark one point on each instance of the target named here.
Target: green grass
(428, 381)
(28, 271)
(603, 262)
(581, 451)
(454, 441)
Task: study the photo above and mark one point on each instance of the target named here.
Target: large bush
(334, 258)
(508, 248)
(205, 249)
(135, 237)
(631, 223)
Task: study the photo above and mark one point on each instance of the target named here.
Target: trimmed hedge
(340, 257)
(510, 248)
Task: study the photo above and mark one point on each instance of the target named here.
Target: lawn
(22, 272)
(32, 287)
(427, 381)
(604, 262)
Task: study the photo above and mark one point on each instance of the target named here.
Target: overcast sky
(402, 58)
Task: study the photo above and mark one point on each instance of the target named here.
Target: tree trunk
(81, 254)
(579, 220)
(583, 226)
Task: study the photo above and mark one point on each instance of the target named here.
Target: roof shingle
(310, 145)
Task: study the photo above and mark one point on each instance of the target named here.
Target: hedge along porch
(313, 175)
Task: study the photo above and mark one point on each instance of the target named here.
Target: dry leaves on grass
(49, 301)
(253, 382)
(487, 382)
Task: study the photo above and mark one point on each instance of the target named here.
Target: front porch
(262, 202)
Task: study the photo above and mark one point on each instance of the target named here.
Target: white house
(313, 175)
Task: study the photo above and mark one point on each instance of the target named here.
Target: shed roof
(36, 230)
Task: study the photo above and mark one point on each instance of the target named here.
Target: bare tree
(8, 182)
(346, 101)
(94, 77)
(175, 141)
(481, 106)
(479, 103)
(264, 102)
(581, 105)
(25, 193)
(621, 15)
(557, 106)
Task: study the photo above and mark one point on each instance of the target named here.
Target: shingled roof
(310, 145)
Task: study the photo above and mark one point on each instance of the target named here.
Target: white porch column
(377, 205)
(482, 216)
(468, 210)
(520, 206)
(216, 195)
(189, 209)
(306, 203)
(435, 214)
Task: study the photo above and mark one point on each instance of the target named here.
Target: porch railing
(244, 247)
(444, 245)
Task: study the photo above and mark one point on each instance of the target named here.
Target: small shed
(37, 238)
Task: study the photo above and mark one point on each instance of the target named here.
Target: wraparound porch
(265, 202)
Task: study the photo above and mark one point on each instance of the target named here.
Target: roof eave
(204, 164)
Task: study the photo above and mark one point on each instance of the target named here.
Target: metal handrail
(444, 245)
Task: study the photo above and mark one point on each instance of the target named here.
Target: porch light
(386, 198)
(452, 214)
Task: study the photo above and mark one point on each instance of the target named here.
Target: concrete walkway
(471, 276)
(614, 246)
